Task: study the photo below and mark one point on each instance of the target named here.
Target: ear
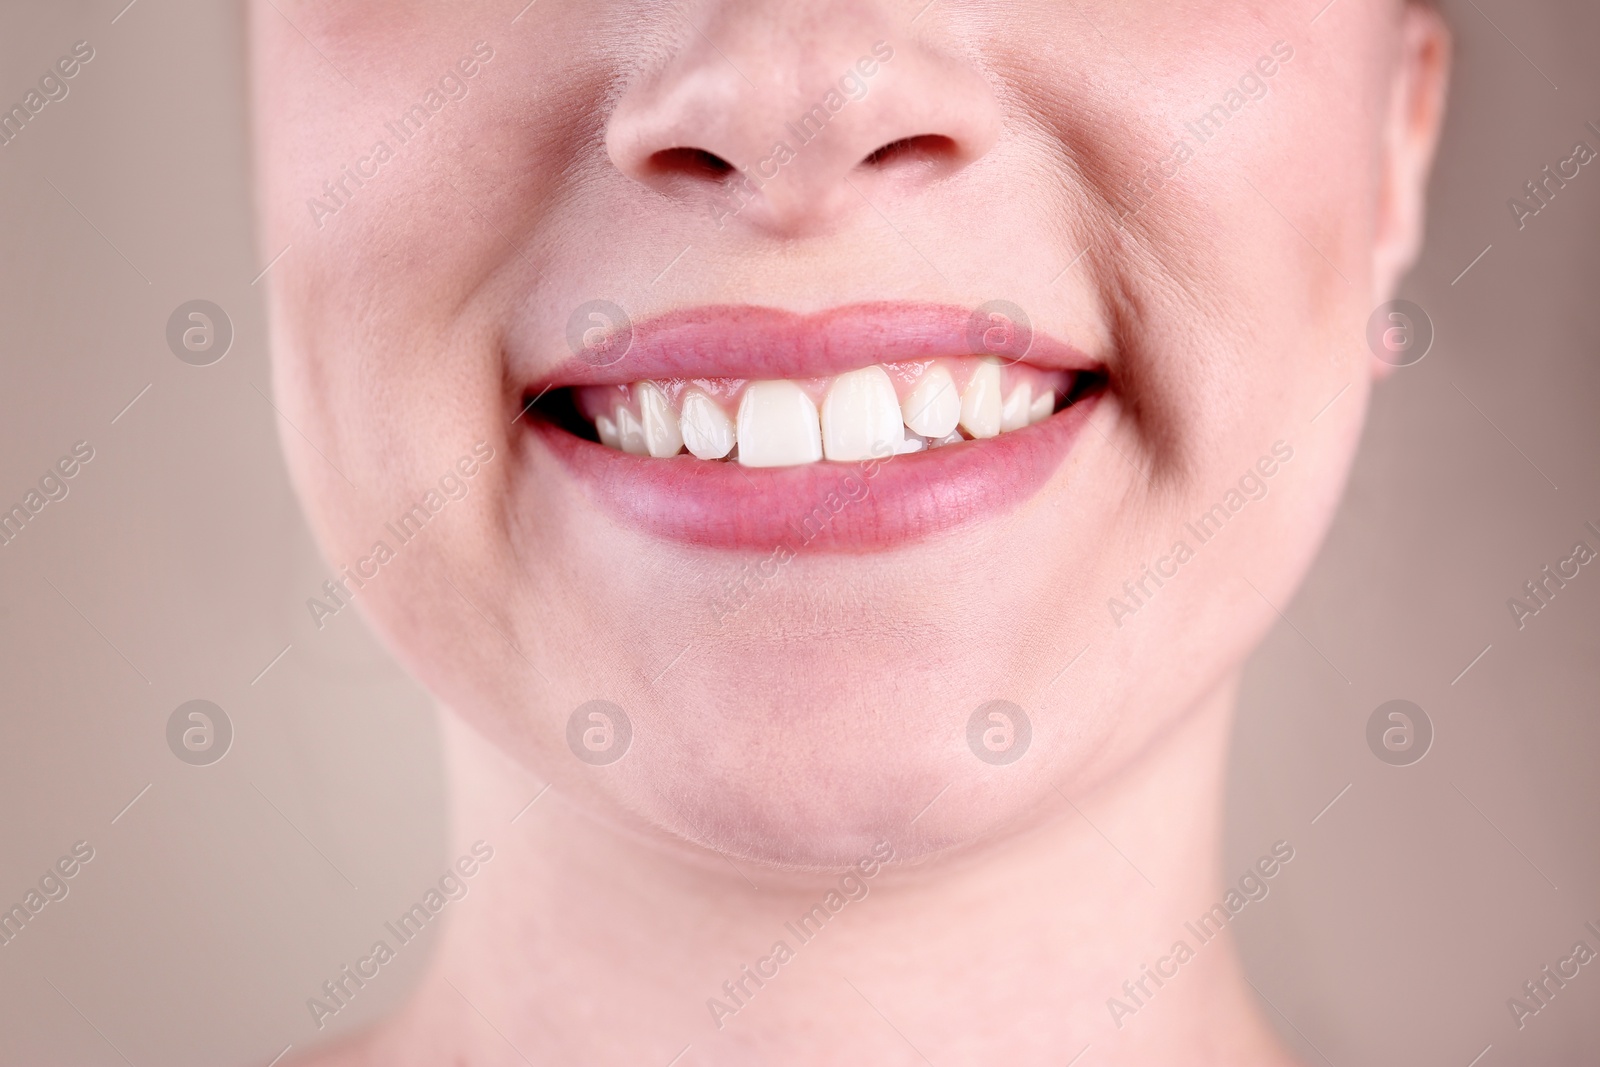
(1409, 135)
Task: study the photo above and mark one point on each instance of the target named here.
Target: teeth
(661, 436)
(980, 404)
(608, 432)
(873, 413)
(778, 426)
(1044, 405)
(1014, 412)
(861, 416)
(630, 432)
(933, 407)
(707, 430)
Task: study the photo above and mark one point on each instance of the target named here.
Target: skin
(776, 747)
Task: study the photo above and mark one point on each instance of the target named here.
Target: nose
(789, 117)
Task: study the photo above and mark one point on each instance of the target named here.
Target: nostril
(926, 148)
(688, 163)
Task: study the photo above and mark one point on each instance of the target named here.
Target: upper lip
(744, 341)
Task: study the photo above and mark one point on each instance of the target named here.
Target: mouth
(851, 429)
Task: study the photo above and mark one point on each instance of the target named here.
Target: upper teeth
(980, 403)
(707, 431)
(778, 426)
(863, 415)
(860, 416)
(661, 435)
(933, 407)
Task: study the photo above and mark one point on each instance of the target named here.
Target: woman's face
(1196, 206)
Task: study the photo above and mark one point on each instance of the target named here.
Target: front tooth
(661, 436)
(630, 431)
(1014, 412)
(933, 407)
(778, 426)
(980, 404)
(861, 416)
(1044, 405)
(707, 430)
(608, 432)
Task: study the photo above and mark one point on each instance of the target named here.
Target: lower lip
(841, 507)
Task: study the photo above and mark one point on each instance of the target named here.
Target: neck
(577, 944)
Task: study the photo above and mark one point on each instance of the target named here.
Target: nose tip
(823, 124)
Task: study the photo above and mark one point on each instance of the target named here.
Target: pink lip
(839, 507)
(740, 341)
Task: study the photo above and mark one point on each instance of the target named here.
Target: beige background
(179, 564)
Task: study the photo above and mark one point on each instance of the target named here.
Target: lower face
(1025, 415)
